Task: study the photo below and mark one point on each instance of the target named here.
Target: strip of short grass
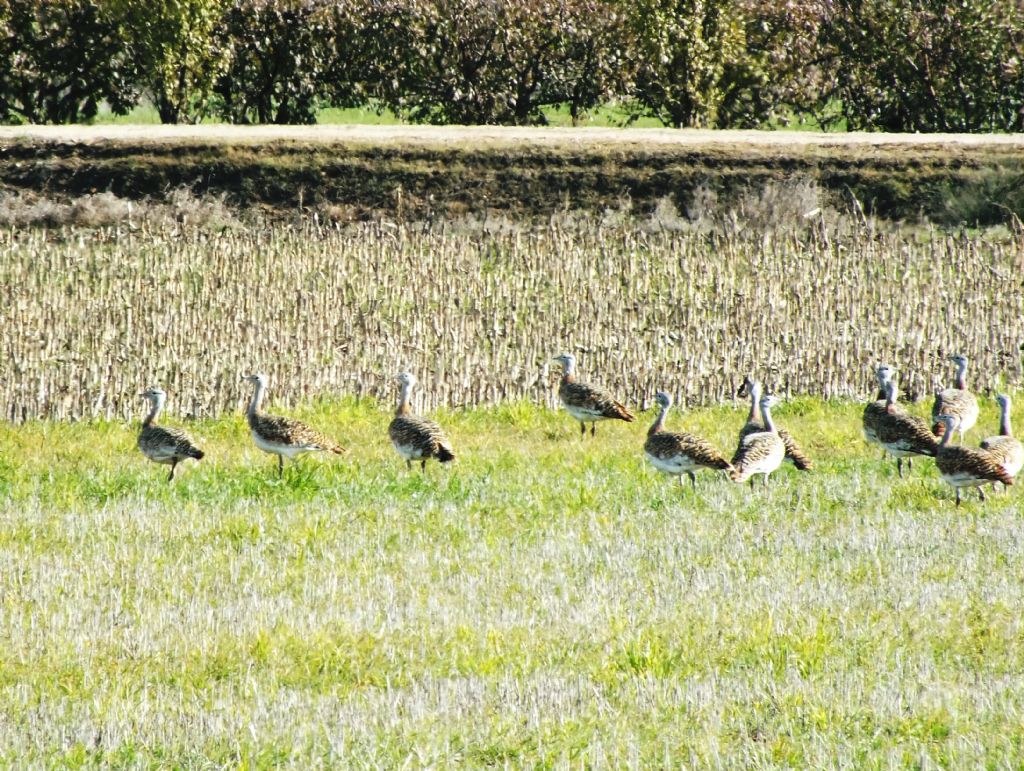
(543, 600)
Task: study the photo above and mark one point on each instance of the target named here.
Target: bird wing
(421, 433)
(289, 431)
(593, 400)
(977, 463)
(907, 432)
(793, 451)
(168, 440)
(755, 448)
(1007, 450)
(667, 445)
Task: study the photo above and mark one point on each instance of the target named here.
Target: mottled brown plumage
(283, 436)
(587, 403)
(759, 452)
(416, 438)
(966, 466)
(679, 452)
(162, 444)
(1005, 448)
(900, 434)
(755, 425)
(875, 410)
(956, 401)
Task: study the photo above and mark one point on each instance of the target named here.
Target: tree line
(887, 65)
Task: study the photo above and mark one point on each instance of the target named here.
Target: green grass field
(541, 602)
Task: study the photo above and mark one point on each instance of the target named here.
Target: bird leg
(174, 465)
(583, 430)
(910, 463)
(693, 479)
(593, 428)
(957, 496)
(751, 483)
(280, 466)
(408, 465)
(423, 465)
(899, 466)
(981, 493)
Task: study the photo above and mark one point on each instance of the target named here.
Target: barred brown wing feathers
(979, 464)
(910, 432)
(424, 435)
(289, 431)
(593, 400)
(667, 445)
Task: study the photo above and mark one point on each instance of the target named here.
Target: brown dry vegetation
(479, 308)
(422, 172)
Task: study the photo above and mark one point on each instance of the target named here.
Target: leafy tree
(278, 59)
(177, 51)
(683, 50)
(59, 59)
(928, 65)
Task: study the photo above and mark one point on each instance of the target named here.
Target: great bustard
(755, 424)
(1005, 448)
(966, 466)
(282, 436)
(956, 401)
(760, 452)
(416, 438)
(902, 435)
(159, 443)
(587, 403)
(679, 452)
(876, 410)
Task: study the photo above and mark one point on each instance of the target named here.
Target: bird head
(567, 360)
(257, 379)
(663, 400)
(406, 379)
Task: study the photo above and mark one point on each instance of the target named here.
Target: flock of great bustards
(761, 450)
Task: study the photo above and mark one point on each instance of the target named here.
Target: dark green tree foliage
(59, 59)
(178, 52)
(928, 65)
(684, 49)
(278, 57)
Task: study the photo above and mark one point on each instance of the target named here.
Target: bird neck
(403, 400)
(947, 434)
(1004, 420)
(769, 424)
(659, 421)
(890, 396)
(257, 400)
(961, 376)
(755, 405)
(154, 412)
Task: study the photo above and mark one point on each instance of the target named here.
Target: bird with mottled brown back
(162, 444)
(956, 401)
(760, 452)
(900, 434)
(587, 403)
(876, 410)
(281, 436)
(966, 466)
(416, 438)
(755, 424)
(678, 452)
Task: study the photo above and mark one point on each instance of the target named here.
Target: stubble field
(544, 600)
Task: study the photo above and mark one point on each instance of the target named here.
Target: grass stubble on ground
(544, 600)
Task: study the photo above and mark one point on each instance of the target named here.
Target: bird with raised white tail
(587, 403)
(162, 444)
(416, 438)
(956, 401)
(280, 436)
(1005, 447)
(966, 466)
(679, 452)
(760, 452)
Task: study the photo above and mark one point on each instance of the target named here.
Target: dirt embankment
(434, 171)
